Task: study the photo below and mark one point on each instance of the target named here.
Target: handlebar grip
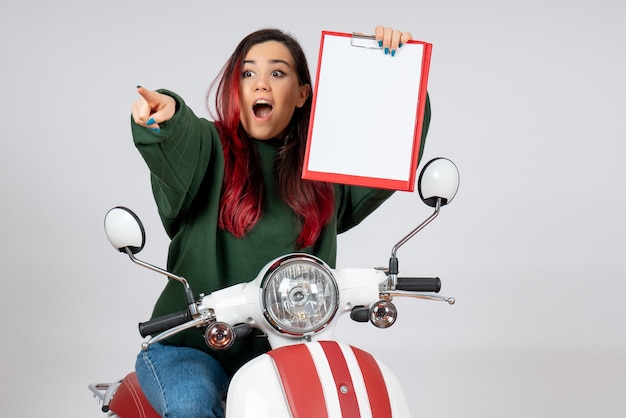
(163, 323)
(419, 284)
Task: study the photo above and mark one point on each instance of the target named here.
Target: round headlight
(299, 294)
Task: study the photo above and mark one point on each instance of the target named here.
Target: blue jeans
(182, 382)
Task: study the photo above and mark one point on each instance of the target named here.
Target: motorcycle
(296, 301)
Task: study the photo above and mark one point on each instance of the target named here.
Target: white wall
(528, 100)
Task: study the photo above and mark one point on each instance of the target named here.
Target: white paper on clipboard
(367, 112)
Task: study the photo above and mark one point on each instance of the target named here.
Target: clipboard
(367, 112)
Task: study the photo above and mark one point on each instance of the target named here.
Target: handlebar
(419, 284)
(163, 323)
(168, 322)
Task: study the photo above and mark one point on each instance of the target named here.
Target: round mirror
(124, 229)
(439, 179)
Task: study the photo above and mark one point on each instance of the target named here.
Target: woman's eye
(277, 73)
(247, 74)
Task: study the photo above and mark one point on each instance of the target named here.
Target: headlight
(299, 294)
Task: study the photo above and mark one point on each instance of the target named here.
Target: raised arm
(182, 151)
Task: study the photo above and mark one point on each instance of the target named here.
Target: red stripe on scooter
(300, 381)
(374, 383)
(337, 362)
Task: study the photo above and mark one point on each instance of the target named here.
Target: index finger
(149, 95)
(378, 33)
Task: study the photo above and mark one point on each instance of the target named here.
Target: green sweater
(186, 164)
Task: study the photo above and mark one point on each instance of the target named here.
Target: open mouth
(262, 108)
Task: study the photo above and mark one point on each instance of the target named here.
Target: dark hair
(242, 190)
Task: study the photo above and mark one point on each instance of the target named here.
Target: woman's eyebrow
(278, 61)
(272, 61)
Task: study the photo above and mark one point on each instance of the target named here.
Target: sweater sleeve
(178, 158)
(356, 204)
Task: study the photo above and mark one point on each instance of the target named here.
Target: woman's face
(269, 90)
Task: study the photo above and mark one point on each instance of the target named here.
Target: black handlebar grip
(163, 323)
(419, 284)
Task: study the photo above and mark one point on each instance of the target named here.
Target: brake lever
(399, 293)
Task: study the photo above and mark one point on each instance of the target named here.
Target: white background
(528, 99)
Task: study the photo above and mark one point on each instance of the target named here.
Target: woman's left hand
(391, 39)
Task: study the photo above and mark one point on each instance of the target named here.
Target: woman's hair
(242, 189)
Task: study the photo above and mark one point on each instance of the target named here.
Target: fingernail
(400, 45)
(393, 52)
(380, 43)
(386, 51)
(155, 130)
(150, 121)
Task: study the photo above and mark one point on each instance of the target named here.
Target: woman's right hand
(152, 108)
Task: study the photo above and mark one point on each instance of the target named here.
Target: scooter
(296, 301)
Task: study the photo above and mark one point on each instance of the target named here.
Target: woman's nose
(262, 84)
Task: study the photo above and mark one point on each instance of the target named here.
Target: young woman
(231, 198)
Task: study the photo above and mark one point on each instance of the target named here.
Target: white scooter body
(259, 390)
(307, 374)
(317, 378)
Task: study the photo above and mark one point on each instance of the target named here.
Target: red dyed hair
(242, 190)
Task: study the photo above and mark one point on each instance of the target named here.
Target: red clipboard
(367, 112)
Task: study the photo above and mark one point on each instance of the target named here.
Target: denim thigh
(182, 382)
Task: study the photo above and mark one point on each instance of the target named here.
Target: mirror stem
(189, 298)
(392, 281)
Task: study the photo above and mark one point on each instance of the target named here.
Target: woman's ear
(305, 92)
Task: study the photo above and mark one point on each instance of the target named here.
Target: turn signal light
(219, 336)
(383, 314)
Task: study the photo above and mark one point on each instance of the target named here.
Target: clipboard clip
(364, 41)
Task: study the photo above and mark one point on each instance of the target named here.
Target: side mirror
(439, 179)
(124, 230)
(437, 185)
